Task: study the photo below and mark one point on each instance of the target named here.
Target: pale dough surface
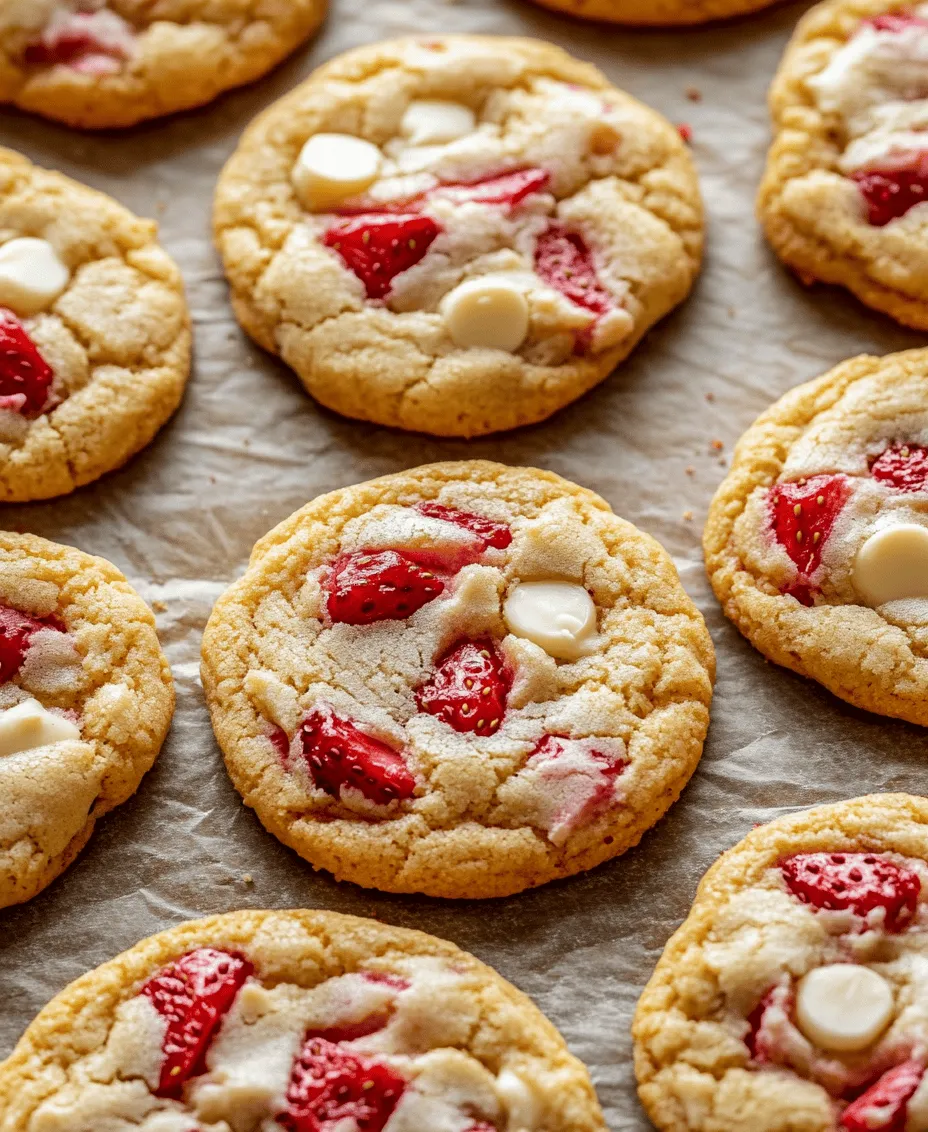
(401, 368)
(120, 687)
(691, 1064)
(186, 52)
(874, 659)
(118, 338)
(472, 830)
(499, 1026)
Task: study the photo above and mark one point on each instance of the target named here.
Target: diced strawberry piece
(469, 688)
(339, 755)
(397, 982)
(194, 994)
(24, 373)
(860, 882)
(16, 633)
(905, 467)
(757, 1047)
(92, 42)
(896, 21)
(379, 247)
(577, 779)
(351, 1031)
(497, 535)
(767, 1021)
(889, 193)
(802, 515)
(382, 585)
(884, 1106)
(564, 262)
(330, 1088)
(508, 189)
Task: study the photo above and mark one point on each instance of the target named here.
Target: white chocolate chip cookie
(793, 996)
(255, 1021)
(86, 699)
(817, 541)
(656, 13)
(459, 234)
(94, 333)
(394, 710)
(100, 64)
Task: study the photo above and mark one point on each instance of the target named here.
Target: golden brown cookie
(656, 13)
(86, 699)
(297, 1020)
(792, 997)
(842, 196)
(100, 64)
(94, 333)
(463, 680)
(817, 540)
(459, 234)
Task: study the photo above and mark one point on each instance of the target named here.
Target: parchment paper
(248, 447)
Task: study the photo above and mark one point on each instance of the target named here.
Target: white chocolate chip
(31, 275)
(431, 122)
(521, 1103)
(843, 1006)
(29, 725)
(332, 167)
(560, 617)
(489, 312)
(893, 564)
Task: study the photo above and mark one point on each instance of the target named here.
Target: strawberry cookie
(94, 333)
(459, 234)
(817, 541)
(843, 197)
(656, 13)
(86, 699)
(301, 1021)
(463, 680)
(99, 64)
(793, 996)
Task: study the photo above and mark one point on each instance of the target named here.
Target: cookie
(86, 699)
(456, 235)
(295, 1020)
(464, 680)
(816, 540)
(656, 13)
(842, 196)
(98, 64)
(94, 333)
(792, 997)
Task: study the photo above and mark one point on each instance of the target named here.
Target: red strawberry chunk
(896, 21)
(904, 467)
(329, 1085)
(767, 1022)
(889, 193)
(16, 633)
(802, 515)
(25, 376)
(379, 247)
(497, 535)
(884, 1106)
(383, 585)
(860, 882)
(339, 755)
(469, 688)
(564, 262)
(508, 189)
(194, 994)
(77, 42)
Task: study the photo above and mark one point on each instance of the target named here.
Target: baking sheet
(248, 447)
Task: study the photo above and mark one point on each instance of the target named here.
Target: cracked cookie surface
(733, 1029)
(848, 169)
(86, 699)
(512, 226)
(94, 333)
(463, 680)
(307, 1020)
(100, 64)
(656, 13)
(814, 540)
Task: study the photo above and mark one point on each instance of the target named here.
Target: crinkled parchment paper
(248, 447)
